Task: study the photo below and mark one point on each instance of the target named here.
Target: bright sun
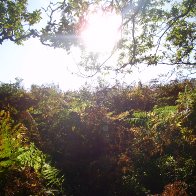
(101, 32)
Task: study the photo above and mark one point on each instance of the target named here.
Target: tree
(153, 32)
(16, 21)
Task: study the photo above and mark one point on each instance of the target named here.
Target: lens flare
(101, 31)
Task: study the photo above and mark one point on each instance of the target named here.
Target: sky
(36, 63)
(39, 64)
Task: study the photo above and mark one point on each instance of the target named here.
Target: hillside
(111, 141)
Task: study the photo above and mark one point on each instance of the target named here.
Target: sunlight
(101, 32)
(47, 66)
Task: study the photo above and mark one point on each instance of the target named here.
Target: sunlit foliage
(113, 141)
(24, 169)
(152, 32)
(16, 21)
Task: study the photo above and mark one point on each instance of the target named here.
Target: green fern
(139, 119)
(15, 155)
(33, 157)
(10, 140)
(165, 112)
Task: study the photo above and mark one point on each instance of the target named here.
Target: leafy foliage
(14, 20)
(113, 141)
(18, 157)
(11, 138)
(152, 32)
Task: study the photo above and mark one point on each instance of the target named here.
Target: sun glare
(101, 32)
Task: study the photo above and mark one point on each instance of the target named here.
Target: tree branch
(132, 61)
(32, 32)
(141, 4)
(172, 22)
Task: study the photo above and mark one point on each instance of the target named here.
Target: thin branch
(178, 63)
(101, 65)
(134, 40)
(141, 4)
(132, 61)
(191, 73)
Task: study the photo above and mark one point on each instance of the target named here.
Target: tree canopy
(152, 32)
(16, 21)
